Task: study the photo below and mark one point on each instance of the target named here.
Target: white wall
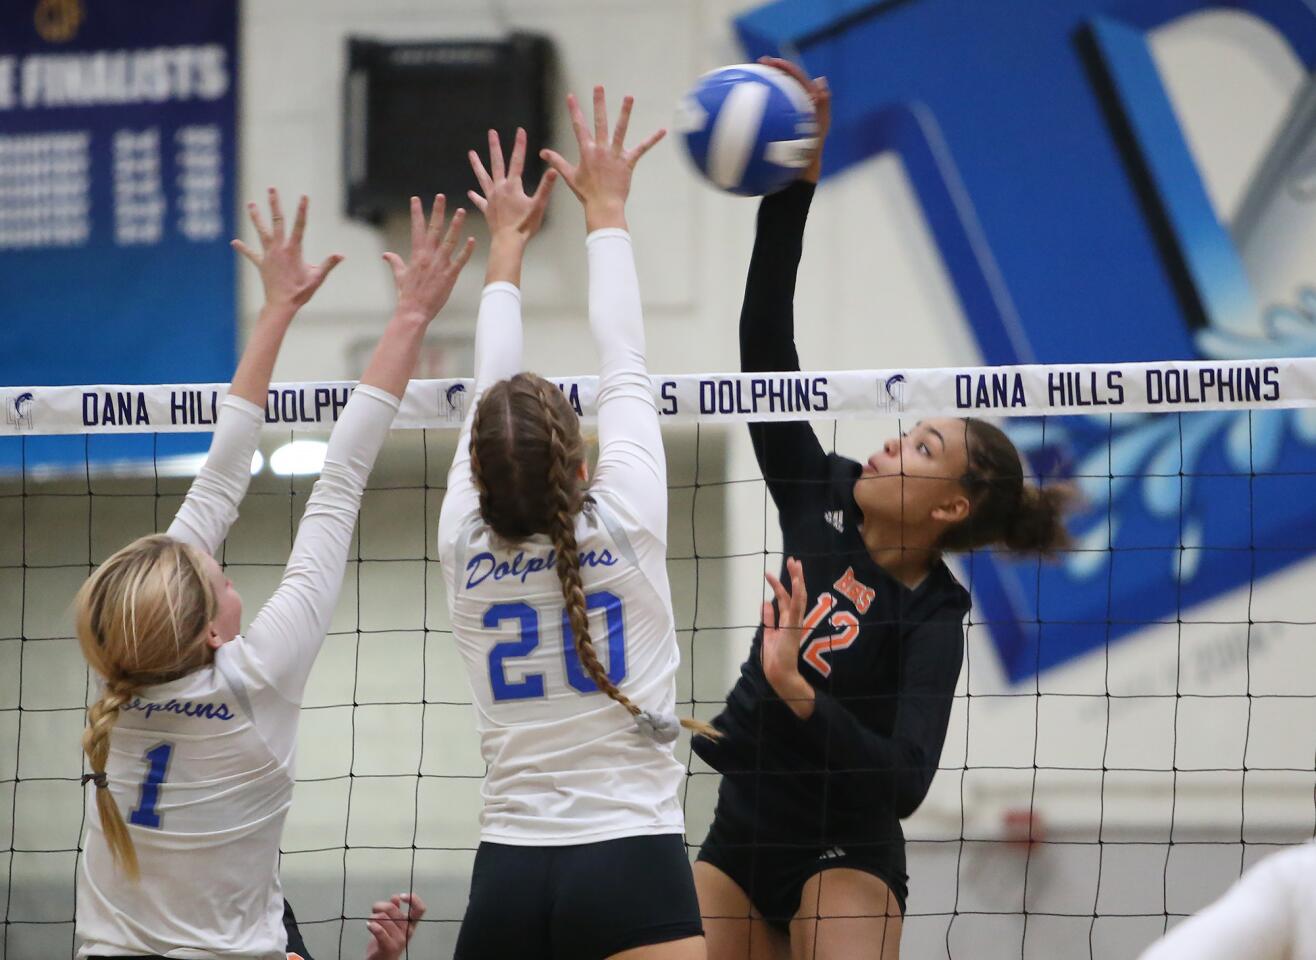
(872, 280)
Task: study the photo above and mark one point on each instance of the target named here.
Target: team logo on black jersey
(836, 518)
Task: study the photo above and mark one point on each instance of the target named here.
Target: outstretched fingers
(560, 165)
(464, 254)
(496, 157)
(417, 225)
(329, 262)
(798, 596)
(577, 121)
(481, 175)
(396, 264)
(790, 603)
(623, 122)
(544, 189)
(299, 221)
(276, 215)
(454, 228)
(634, 156)
(436, 219)
(517, 162)
(257, 221)
(600, 115)
(246, 251)
(782, 595)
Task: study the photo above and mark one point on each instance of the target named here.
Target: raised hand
(503, 199)
(289, 281)
(425, 282)
(783, 633)
(602, 178)
(391, 925)
(820, 95)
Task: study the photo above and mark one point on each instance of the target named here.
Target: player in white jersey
(192, 737)
(1269, 914)
(560, 605)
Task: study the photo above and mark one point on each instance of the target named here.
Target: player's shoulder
(610, 515)
(1296, 866)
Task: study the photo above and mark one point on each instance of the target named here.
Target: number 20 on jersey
(531, 686)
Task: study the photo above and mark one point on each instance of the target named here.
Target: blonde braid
(142, 618)
(101, 718)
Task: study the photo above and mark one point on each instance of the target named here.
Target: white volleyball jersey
(567, 764)
(202, 767)
(1269, 914)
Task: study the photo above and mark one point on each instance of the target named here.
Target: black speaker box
(412, 111)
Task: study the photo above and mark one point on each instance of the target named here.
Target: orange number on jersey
(820, 609)
(847, 625)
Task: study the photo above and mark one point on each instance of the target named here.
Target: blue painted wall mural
(1075, 225)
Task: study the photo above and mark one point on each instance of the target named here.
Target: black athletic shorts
(581, 902)
(773, 874)
(296, 946)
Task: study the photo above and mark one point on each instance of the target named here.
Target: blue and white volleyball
(749, 129)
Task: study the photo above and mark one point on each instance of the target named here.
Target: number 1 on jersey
(157, 759)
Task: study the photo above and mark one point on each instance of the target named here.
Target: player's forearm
(506, 255)
(499, 340)
(212, 501)
(606, 213)
(616, 318)
(902, 767)
(395, 357)
(291, 626)
(767, 315)
(251, 381)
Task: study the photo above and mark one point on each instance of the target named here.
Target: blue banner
(117, 177)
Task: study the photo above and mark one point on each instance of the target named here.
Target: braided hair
(526, 438)
(140, 619)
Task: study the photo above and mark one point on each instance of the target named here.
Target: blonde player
(560, 605)
(191, 739)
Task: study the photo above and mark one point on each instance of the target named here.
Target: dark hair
(526, 452)
(1004, 508)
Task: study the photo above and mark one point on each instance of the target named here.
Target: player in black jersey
(834, 730)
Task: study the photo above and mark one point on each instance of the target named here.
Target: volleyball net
(1134, 724)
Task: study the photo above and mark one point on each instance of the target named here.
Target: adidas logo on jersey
(834, 853)
(836, 519)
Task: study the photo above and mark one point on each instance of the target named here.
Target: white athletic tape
(1023, 391)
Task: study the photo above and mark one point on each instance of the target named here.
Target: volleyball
(749, 129)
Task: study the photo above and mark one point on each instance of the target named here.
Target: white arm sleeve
(212, 501)
(1257, 918)
(498, 350)
(287, 634)
(631, 464)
